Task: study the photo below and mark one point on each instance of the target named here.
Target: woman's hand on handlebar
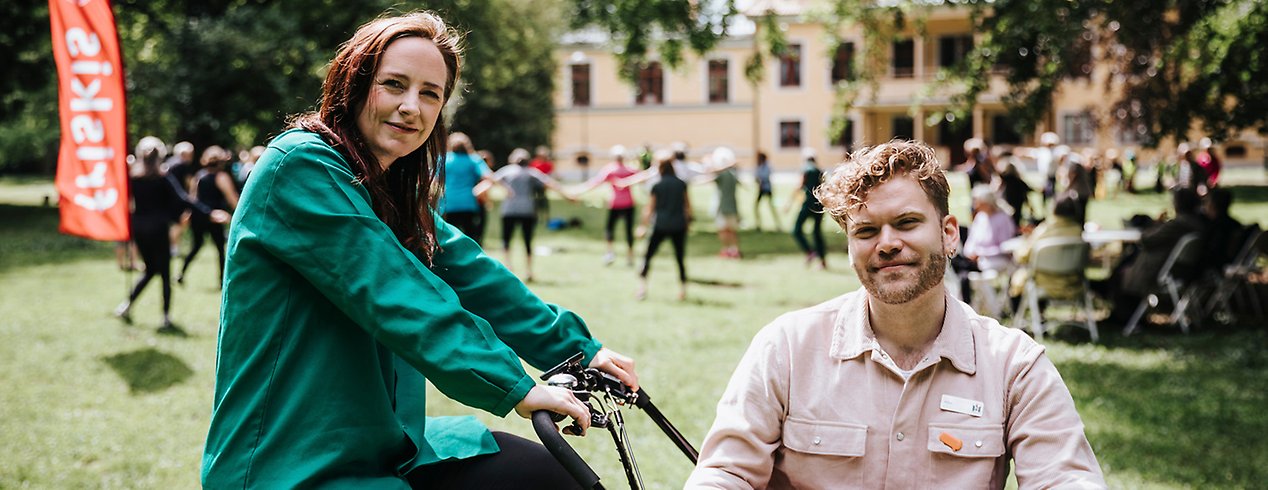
(555, 399)
(611, 362)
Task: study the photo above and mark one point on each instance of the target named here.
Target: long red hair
(405, 194)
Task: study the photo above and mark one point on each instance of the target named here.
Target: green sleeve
(543, 334)
(320, 222)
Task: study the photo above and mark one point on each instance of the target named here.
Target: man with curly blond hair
(899, 384)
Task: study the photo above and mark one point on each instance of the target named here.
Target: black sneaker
(169, 328)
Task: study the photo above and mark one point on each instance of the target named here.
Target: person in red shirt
(541, 161)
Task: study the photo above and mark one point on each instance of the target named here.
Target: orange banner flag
(92, 170)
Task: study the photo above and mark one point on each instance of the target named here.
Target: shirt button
(977, 444)
(818, 440)
(901, 436)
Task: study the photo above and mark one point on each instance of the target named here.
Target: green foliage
(28, 129)
(1173, 63)
(507, 78)
(230, 72)
(638, 27)
(1176, 62)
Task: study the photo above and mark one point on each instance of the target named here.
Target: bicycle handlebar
(548, 432)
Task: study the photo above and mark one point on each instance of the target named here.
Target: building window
(790, 67)
(651, 85)
(904, 58)
(904, 127)
(581, 85)
(953, 49)
(790, 134)
(843, 63)
(719, 82)
(1078, 129)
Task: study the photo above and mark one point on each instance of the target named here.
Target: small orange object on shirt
(950, 441)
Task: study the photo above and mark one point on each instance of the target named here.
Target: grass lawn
(88, 402)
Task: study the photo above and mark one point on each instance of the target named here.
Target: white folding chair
(1182, 260)
(989, 292)
(1232, 279)
(1063, 256)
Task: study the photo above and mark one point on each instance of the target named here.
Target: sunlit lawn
(90, 402)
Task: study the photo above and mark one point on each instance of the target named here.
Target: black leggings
(521, 464)
(526, 223)
(679, 239)
(626, 215)
(466, 221)
(816, 219)
(200, 227)
(155, 247)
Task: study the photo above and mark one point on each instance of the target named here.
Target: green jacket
(329, 325)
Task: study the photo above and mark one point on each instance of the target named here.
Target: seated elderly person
(991, 227)
(1064, 222)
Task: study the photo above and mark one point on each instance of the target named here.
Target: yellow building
(708, 102)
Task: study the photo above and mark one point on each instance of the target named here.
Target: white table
(1101, 238)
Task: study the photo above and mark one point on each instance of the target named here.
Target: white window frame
(779, 135)
(801, 68)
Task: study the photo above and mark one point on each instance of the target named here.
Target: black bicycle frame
(587, 384)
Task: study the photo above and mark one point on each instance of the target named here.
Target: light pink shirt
(816, 403)
(621, 196)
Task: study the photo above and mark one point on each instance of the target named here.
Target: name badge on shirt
(962, 405)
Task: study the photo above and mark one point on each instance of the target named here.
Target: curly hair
(846, 188)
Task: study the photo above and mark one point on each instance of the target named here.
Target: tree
(637, 27)
(28, 130)
(507, 81)
(1174, 63)
(229, 72)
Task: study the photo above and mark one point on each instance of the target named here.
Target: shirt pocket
(976, 440)
(974, 464)
(825, 438)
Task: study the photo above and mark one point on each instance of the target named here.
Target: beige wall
(750, 120)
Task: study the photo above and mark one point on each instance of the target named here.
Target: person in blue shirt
(464, 170)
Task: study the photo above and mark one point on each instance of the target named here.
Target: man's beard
(929, 276)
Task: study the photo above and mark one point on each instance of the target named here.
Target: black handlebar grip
(641, 400)
(559, 448)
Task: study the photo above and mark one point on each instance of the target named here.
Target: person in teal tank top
(345, 292)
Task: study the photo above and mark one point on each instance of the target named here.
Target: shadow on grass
(711, 303)
(148, 370)
(1187, 410)
(715, 282)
